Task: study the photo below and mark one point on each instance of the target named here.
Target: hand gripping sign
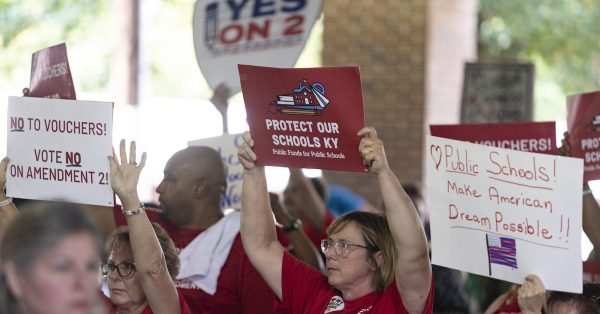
(269, 33)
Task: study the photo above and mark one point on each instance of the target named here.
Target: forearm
(146, 249)
(149, 260)
(224, 119)
(258, 229)
(257, 224)
(403, 219)
(591, 219)
(313, 209)
(7, 213)
(413, 269)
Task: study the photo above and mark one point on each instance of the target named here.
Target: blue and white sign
(256, 32)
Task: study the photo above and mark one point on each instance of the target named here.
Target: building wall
(388, 39)
(451, 39)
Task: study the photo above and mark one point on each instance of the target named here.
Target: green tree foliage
(30, 25)
(559, 36)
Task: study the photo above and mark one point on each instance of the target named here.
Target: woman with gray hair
(139, 269)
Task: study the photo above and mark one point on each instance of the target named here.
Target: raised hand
(219, 98)
(3, 167)
(125, 174)
(565, 147)
(246, 155)
(371, 150)
(531, 295)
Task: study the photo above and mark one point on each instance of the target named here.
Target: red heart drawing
(438, 157)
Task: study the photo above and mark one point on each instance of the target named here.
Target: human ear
(378, 258)
(201, 188)
(12, 280)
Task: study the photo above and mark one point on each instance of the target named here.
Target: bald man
(216, 276)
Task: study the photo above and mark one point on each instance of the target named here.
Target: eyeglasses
(124, 269)
(342, 247)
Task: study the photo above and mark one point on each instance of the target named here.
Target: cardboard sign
(227, 145)
(583, 123)
(270, 33)
(50, 74)
(535, 137)
(58, 150)
(305, 118)
(504, 213)
(495, 92)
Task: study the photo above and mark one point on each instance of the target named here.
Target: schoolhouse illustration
(595, 125)
(306, 99)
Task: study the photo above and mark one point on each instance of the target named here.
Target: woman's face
(125, 293)
(63, 280)
(354, 270)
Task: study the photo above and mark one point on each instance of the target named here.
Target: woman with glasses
(375, 263)
(142, 261)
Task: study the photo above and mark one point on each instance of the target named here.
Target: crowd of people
(294, 255)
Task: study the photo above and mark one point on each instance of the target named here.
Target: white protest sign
(58, 150)
(255, 32)
(227, 146)
(504, 213)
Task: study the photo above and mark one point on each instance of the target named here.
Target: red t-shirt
(240, 288)
(185, 309)
(306, 290)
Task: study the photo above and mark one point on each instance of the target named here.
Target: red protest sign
(305, 118)
(583, 123)
(50, 74)
(536, 137)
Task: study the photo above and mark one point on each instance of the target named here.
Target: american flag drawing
(501, 251)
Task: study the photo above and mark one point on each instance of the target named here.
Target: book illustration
(306, 99)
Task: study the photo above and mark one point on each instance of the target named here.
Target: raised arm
(147, 254)
(220, 101)
(257, 224)
(8, 210)
(307, 202)
(591, 209)
(304, 250)
(413, 269)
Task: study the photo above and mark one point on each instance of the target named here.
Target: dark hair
(40, 227)
(585, 303)
(378, 237)
(121, 238)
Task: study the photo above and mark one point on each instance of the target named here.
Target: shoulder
(391, 298)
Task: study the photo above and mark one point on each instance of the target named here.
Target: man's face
(176, 192)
